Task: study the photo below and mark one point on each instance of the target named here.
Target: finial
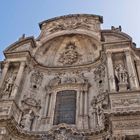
(22, 37)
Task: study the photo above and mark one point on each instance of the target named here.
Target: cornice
(71, 15)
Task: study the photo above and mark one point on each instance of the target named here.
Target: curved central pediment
(68, 50)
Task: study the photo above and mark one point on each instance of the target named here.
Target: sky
(19, 17)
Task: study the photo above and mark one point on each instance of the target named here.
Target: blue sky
(22, 16)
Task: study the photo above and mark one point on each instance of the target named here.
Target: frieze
(127, 125)
(4, 110)
(126, 110)
(68, 79)
(71, 23)
(125, 102)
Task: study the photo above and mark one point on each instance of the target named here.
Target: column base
(85, 122)
(80, 122)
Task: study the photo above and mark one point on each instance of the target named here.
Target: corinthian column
(46, 105)
(81, 113)
(131, 71)
(18, 79)
(81, 103)
(86, 110)
(110, 68)
(4, 72)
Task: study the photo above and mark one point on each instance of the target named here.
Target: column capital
(22, 63)
(6, 64)
(138, 62)
(109, 53)
(127, 52)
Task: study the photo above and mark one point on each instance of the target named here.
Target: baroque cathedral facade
(75, 81)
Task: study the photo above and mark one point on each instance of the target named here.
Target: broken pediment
(115, 36)
(26, 44)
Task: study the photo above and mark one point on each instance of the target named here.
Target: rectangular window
(65, 108)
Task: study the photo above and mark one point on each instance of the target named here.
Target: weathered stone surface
(74, 82)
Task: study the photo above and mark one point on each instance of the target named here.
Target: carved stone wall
(71, 54)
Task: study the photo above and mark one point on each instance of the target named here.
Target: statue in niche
(27, 120)
(9, 85)
(70, 55)
(121, 74)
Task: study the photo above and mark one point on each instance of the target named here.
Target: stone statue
(121, 73)
(101, 117)
(27, 120)
(9, 85)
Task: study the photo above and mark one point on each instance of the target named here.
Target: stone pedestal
(85, 123)
(123, 86)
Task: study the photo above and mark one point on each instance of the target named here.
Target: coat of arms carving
(70, 55)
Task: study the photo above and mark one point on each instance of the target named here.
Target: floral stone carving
(97, 115)
(36, 79)
(99, 77)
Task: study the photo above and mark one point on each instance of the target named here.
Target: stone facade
(73, 82)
